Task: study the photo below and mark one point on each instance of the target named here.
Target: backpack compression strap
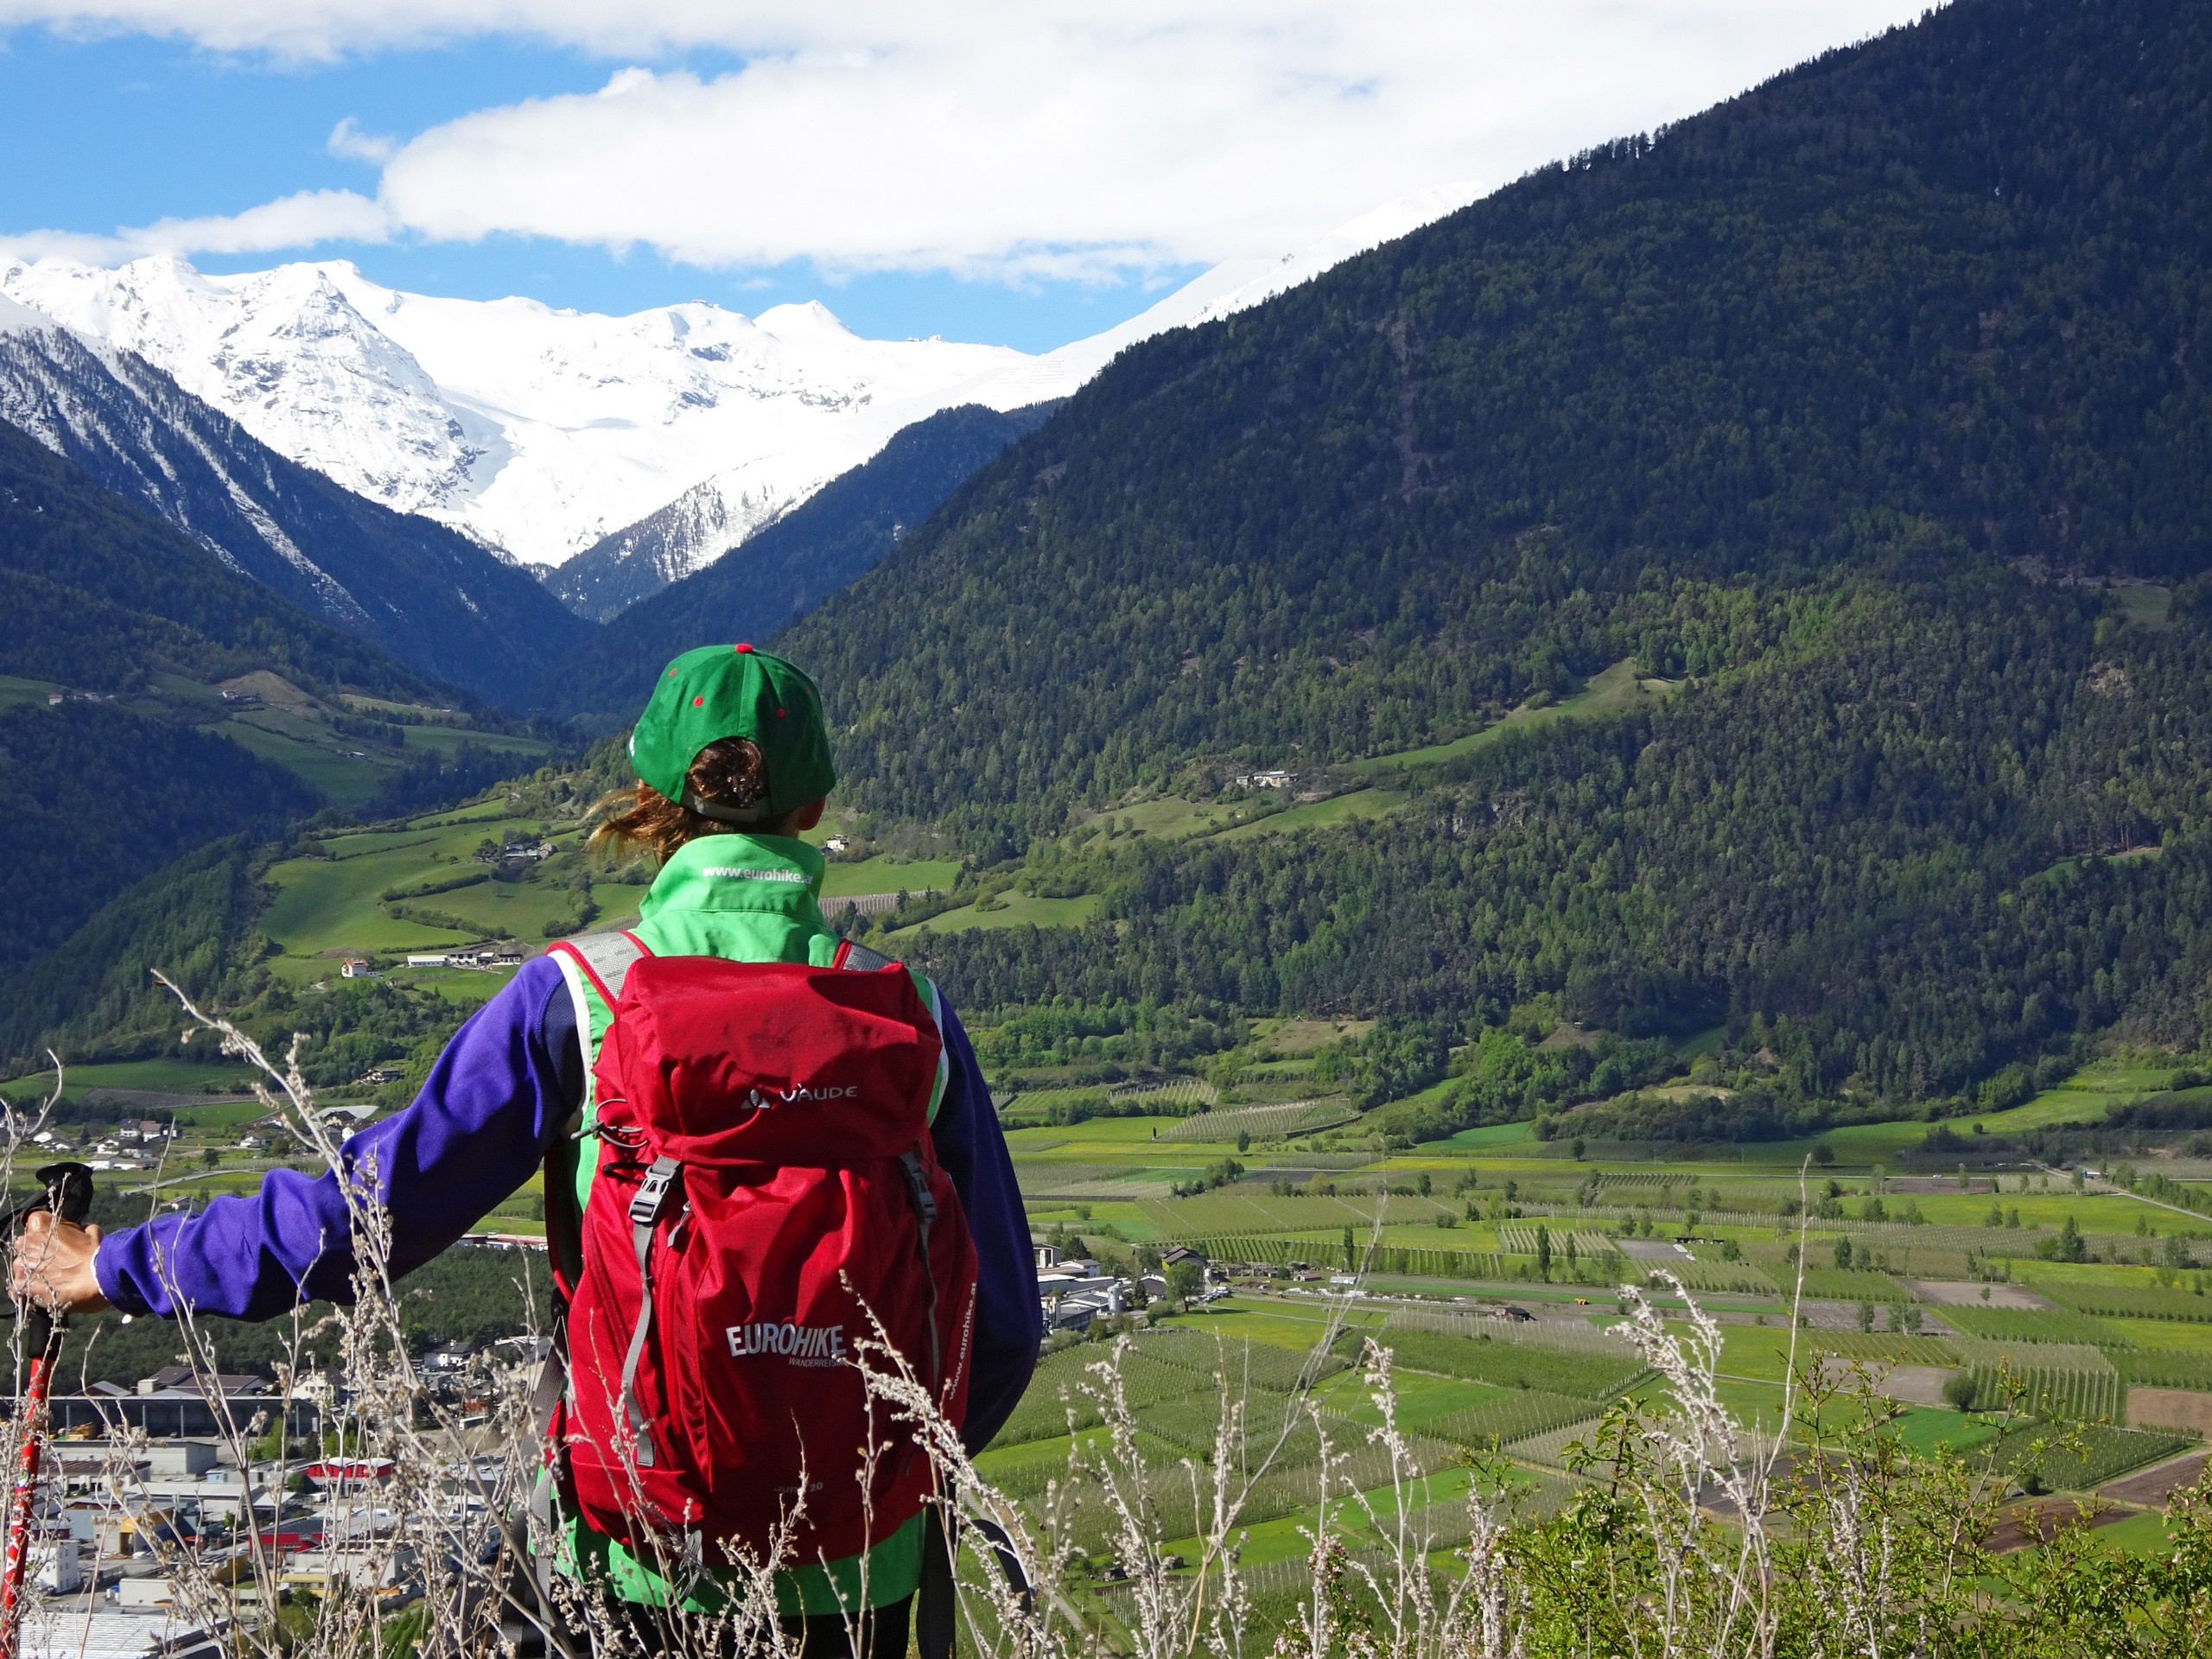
(861, 959)
(662, 1183)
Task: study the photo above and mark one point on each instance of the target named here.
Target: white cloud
(347, 140)
(76, 246)
(999, 138)
(294, 221)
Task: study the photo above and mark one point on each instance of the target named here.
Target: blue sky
(992, 171)
(128, 129)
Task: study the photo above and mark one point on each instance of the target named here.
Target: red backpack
(766, 1194)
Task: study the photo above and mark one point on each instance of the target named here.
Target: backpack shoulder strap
(593, 967)
(860, 958)
(604, 957)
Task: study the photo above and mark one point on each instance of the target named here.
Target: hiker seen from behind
(762, 1147)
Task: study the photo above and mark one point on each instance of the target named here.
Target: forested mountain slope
(424, 593)
(1865, 407)
(102, 797)
(789, 567)
(102, 597)
(1921, 305)
(100, 593)
(1933, 831)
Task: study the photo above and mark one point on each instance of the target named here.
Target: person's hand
(54, 1265)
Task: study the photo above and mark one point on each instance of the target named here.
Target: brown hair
(728, 773)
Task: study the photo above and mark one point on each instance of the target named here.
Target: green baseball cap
(719, 691)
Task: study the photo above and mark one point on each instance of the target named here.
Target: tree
(1866, 1316)
(1823, 1155)
(1843, 1252)
(1959, 1391)
(1185, 1280)
(2067, 1246)
(1578, 1147)
(1543, 1252)
(1351, 1259)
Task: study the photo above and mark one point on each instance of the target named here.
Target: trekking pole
(69, 1196)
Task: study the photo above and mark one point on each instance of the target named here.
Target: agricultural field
(438, 881)
(136, 1077)
(886, 874)
(1941, 1291)
(1015, 909)
(302, 732)
(1320, 815)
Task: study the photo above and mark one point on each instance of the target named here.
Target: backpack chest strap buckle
(653, 1193)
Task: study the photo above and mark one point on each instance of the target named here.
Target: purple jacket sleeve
(479, 1129)
(1008, 1328)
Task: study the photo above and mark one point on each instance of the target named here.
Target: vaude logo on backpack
(804, 1091)
(765, 1198)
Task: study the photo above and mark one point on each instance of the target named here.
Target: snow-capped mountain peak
(541, 432)
(810, 320)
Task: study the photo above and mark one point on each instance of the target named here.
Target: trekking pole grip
(69, 1196)
(69, 1192)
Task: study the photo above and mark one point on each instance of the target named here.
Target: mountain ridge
(826, 542)
(430, 596)
(121, 628)
(541, 433)
(1791, 337)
